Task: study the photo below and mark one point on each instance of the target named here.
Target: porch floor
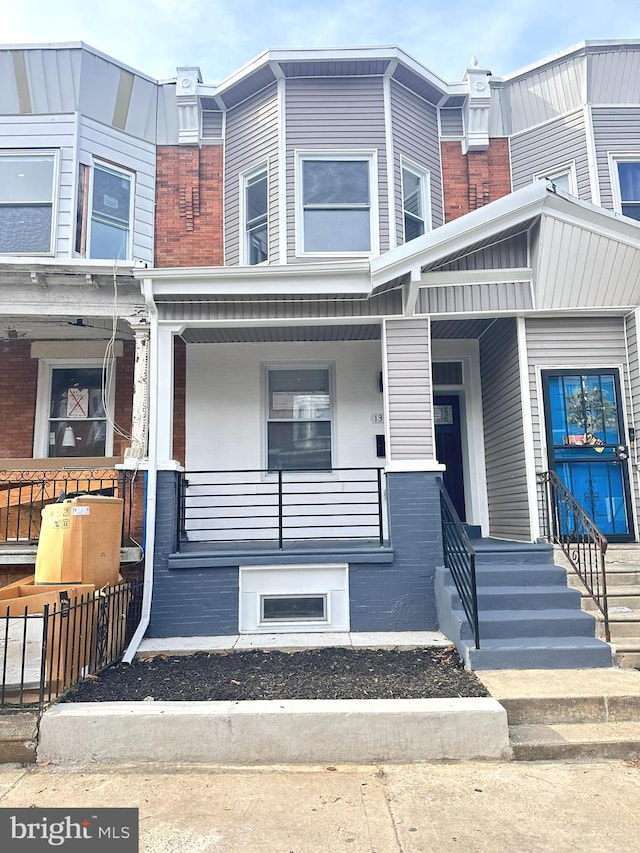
(287, 642)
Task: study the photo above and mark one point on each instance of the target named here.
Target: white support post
(140, 413)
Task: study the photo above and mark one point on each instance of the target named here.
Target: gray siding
(512, 252)
(414, 125)
(57, 132)
(39, 81)
(613, 76)
(554, 144)
(615, 130)
(251, 139)
(545, 93)
(503, 296)
(130, 153)
(451, 122)
(211, 124)
(408, 389)
(335, 114)
(504, 433)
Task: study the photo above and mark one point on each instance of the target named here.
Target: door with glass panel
(587, 445)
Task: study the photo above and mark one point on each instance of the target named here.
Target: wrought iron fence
(77, 635)
(566, 523)
(23, 494)
(460, 559)
(276, 507)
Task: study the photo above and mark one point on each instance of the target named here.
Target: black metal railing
(278, 507)
(566, 523)
(460, 559)
(42, 655)
(23, 494)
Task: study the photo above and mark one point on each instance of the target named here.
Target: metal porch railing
(566, 523)
(280, 507)
(460, 559)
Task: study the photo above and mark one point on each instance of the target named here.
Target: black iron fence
(23, 494)
(277, 507)
(43, 654)
(566, 523)
(460, 559)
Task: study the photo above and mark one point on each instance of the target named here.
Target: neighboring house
(78, 135)
(405, 275)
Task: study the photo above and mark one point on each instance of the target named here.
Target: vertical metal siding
(546, 93)
(251, 139)
(336, 114)
(57, 132)
(550, 146)
(613, 76)
(615, 130)
(415, 136)
(504, 432)
(130, 153)
(52, 77)
(408, 389)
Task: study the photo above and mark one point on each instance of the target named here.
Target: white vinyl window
(105, 212)
(71, 419)
(27, 193)
(299, 418)
(415, 205)
(625, 182)
(255, 216)
(563, 177)
(336, 213)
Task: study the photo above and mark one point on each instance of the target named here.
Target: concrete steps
(576, 714)
(18, 736)
(528, 616)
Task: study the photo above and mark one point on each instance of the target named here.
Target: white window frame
(614, 159)
(268, 368)
(115, 169)
(40, 152)
(370, 156)
(46, 367)
(424, 176)
(560, 171)
(245, 177)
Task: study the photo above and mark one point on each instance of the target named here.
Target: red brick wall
(18, 384)
(124, 396)
(474, 179)
(189, 206)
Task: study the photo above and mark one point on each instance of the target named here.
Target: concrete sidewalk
(429, 808)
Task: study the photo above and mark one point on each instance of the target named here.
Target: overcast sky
(154, 36)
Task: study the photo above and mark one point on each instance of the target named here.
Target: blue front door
(587, 445)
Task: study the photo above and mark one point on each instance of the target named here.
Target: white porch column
(140, 412)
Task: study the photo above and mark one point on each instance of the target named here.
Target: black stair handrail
(460, 559)
(568, 525)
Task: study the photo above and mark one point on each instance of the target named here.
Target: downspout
(152, 475)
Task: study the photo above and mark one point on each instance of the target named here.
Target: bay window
(27, 191)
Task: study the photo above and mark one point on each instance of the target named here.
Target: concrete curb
(296, 731)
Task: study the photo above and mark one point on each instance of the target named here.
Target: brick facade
(188, 230)
(179, 400)
(18, 386)
(472, 180)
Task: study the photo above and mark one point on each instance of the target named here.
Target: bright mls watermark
(27, 830)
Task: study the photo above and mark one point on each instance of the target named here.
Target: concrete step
(628, 658)
(623, 625)
(541, 624)
(615, 578)
(18, 735)
(508, 574)
(627, 597)
(536, 653)
(527, 598)
(503, 551)
(576, 740)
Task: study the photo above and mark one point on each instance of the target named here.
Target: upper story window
(255, 216)
(627, 187)
(335, 210)
(105, 212)
(562, 177)
(27, 192)
(415, 207)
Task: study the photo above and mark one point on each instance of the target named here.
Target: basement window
(293, 608)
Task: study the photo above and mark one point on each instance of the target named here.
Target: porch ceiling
(451, 329)
(281, 334)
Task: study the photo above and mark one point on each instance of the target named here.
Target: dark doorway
(449, 447)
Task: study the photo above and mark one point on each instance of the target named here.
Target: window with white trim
(335, 210)
(255, 216)
(415, 208)
(562, 177)
(299, 419)
(105, 212)
(27, 192)
(626, 185)
(71, 419)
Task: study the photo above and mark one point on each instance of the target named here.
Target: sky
(220, 36)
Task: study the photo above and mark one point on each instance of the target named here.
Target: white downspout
(152, 475)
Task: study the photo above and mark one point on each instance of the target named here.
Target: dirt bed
(310, 674)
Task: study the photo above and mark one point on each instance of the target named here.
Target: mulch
(328, 673)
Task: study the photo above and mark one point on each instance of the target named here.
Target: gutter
(152, 477)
